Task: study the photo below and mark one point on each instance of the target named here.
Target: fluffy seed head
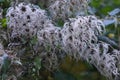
(63, 9)
(25, 20)
(80, 33)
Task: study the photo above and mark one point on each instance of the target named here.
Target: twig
(109, 41)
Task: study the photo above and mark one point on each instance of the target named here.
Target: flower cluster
(105, 59)
(28, 21)
(111, 62)
(50, 38)
(25, 20)
(8, 62)
(80, 33)
(80, 41)
(78, 38)
(63, 9)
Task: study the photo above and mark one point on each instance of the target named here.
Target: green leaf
(4, 22)
(37, 63)
(60, 22)
(47, 47)
(6, 65)
(34, 40)
(4, 76)
(114, 12)
(63, 76)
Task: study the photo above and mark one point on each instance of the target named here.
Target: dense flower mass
(24, 20)
(80, 41)
(78, 38)
(63, 9)
(105, 59)
(50, 38)
(81, 33)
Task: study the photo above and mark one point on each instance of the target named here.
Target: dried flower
(105, 59)
(63, 9)
(50, 39)
(78, 38)
(25, 20)
(80, 33)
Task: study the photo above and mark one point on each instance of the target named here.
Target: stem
(109, 41)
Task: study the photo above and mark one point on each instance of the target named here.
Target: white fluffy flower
(80, 33)
(63, 9)
(78, 38)
(105, 59)
(25, 20)
(50, 39)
